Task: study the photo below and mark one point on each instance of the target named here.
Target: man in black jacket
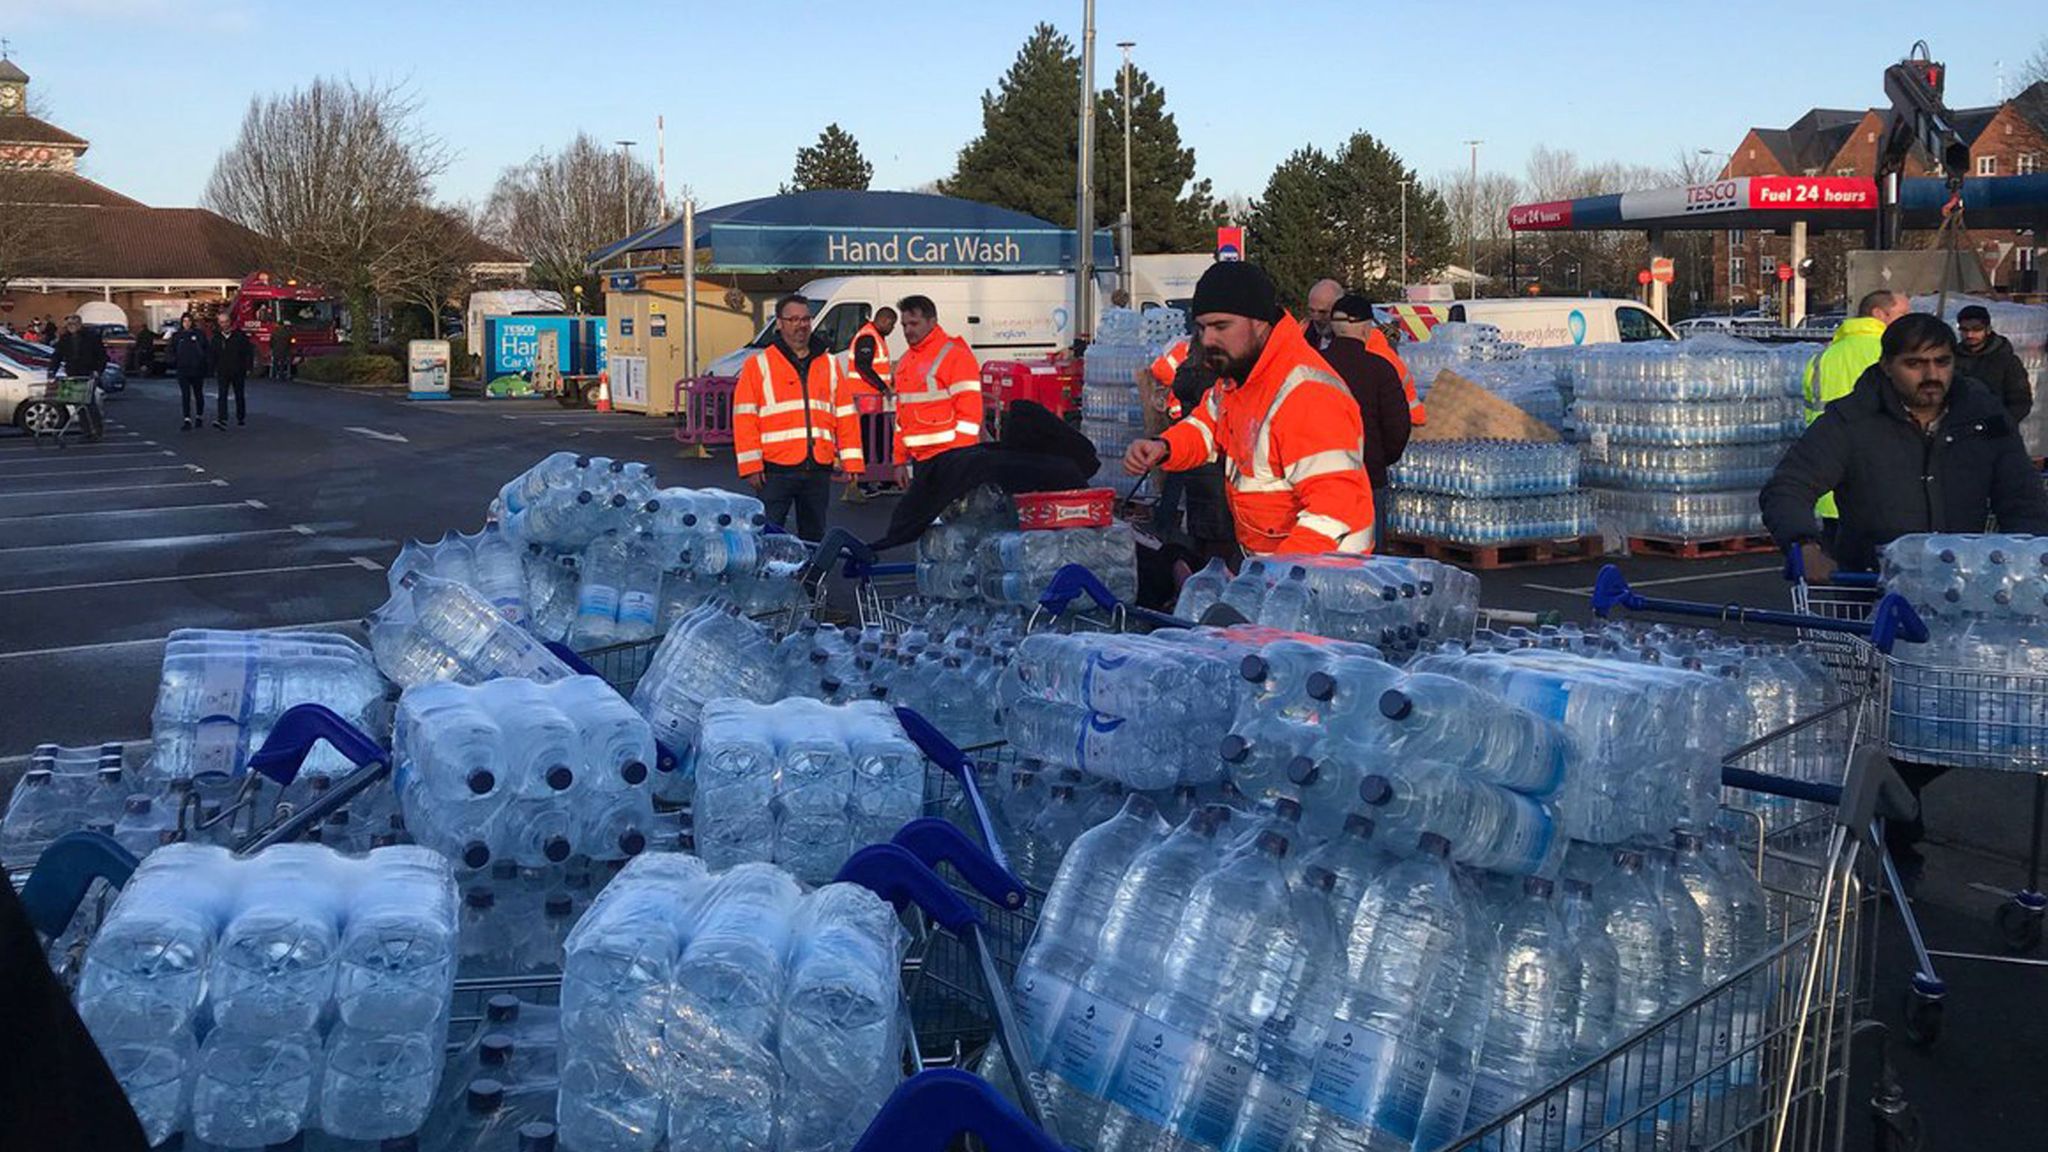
(190, 359)
(1989, 357)
(237, 356)
(1374, 383)
(80, 351)
(1912, 448)
(1037, 452)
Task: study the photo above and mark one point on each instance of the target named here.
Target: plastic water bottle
(145, 972)
(1593, 1030)
(1077, 903)
(1143, 914)
(274, 968)
(1354, 860)
(1202, 589)
(1488, 826)
(396, 958)
(839, 1035)
(37, 813)
(1528, 1042)
(499, 574)
(1439, 718)
(1378, 1055)
(1654, 977)
(253, 1091)
(377, 1085)
(729, 977)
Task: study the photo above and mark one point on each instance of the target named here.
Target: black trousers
(192, 397)
(220, 407)
(806, 492)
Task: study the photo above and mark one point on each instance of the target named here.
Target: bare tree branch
(556, 209)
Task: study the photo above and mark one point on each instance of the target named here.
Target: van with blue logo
(1540, 321)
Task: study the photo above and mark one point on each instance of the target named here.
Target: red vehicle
(265, 303)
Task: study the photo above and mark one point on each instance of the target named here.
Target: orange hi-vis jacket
(1376, 342)
(1163, 370)
(881, 365)
(1293, 450)
(938, 397)
(779, 419)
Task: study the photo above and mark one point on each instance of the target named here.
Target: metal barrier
(878, 440)
(704, 411)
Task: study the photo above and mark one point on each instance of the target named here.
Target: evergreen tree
(1171, 211)
(1293, 226)
(1340, 217)
(1024, 158)
(834, 161)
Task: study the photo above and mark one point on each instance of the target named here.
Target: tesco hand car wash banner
(768, 247)
(511, 341)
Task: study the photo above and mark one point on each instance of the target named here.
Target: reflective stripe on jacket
(938, 397)
(778, 419)
(1163, 369)
(1292, 446)
(860, 385)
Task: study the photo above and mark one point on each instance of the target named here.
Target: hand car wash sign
(741, 247)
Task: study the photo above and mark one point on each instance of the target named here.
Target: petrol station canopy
(869, 232)
(1823, 202)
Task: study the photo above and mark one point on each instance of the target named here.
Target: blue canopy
(869, 231)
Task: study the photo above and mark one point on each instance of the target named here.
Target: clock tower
(13, 89)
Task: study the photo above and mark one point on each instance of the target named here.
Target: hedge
(347, 368)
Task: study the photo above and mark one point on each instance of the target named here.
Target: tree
(1030, 134)
(32, 240)
(2035, 70)
(1340, 216)
(556, 209)
(1171, 211)
(833, 162)
(333, 175)
(432, 267)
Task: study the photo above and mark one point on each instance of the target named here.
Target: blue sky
(159, 86)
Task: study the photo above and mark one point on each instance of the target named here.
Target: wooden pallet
(1699, 549)
(1486, 557)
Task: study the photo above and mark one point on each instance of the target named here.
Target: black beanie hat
(1238, 289)
(1976, 312)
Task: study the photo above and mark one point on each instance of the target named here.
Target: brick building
(2009, 139)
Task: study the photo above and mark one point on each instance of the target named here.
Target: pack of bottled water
(488, 561)
(1221, 984)
(1487, 468)
(728, 1010)
(1950, 577)
(566, 500)
(713, 652)
(434, 629)
(2026, 326)
(978, 552)
(220, 692)
(533, 773)
(1390, 602)
(64, 790)
(1663, 468)
(1704, 372)
(1680, 515)
(244, 1001)
(947, 674)
(802, 783)
(1537, 384)
(1491, 520)
(1112, 408)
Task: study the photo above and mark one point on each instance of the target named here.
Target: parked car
(25, 399)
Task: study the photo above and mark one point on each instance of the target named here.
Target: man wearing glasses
(1989, 357)
(793, 420)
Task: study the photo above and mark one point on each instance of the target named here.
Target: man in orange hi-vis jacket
(938, 386)
(1286, 428)
(793, 419)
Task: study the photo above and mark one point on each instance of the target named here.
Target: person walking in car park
(1989, 357)
(237, 356)
(79, 351)
(191, 356)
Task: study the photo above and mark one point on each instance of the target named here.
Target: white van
(1002, 316)
(1542, 321)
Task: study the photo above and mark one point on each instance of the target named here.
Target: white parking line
(74, 446)
(46, 517)
(351, 562)
(162, 541)
(1588, 589)
(107, 471)
(216, 482)
(129, 452)
(157, 641)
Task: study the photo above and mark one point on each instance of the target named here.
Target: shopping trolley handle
(1891, 619)
(933, 840)
(934, 744)
(665, 759)
(837, 543)
(57, 885)
(1795, 572)
(930, 1111)
(1071, 581)
(891, 872)
(295, 733)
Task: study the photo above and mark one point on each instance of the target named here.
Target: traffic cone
(604, 391)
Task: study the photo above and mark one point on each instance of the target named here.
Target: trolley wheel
(2019, 925)
(1923, 1018)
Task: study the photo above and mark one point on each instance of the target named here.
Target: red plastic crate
(1075, 508)
(1056, 385)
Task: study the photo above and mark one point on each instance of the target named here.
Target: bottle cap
(558, 904)
(560, 777)
(1537, 886)
(480, 897)
(585, 496)
(1686, 840)
(1358, 824)
(1254, 668)
(1302, 771)
(632, 842)
(1287, 808)
(476, 854)
(481, 781)
(496, 1050)
(1320, 878)
(1272, 843)
(633, 772)
(1431, 844)
(537, 1136)
(1375, 790)
(485, 1095)
(556, 849)
(1395, 704)
(40, 776)
(1234, 749)
(502, 1007)
(1321, 686)
(1577, 888)
(137, 805)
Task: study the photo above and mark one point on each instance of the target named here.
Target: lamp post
(1401, 277)
(626, 181)
(1472, 220)
(1084, 184)
(1125, 277)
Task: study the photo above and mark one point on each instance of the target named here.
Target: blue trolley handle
(1075, 580)
(893, 873)
(955, 763)
(64, 874)
(838, 542)
(284, 751)
(1891, 620)
(1795, 572)
(931, 1110)
(665, 760)
(933, 841)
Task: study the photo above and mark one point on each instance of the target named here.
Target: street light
(1125, 278)
(1403, 273)
(626, 180)
(1472, 221)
